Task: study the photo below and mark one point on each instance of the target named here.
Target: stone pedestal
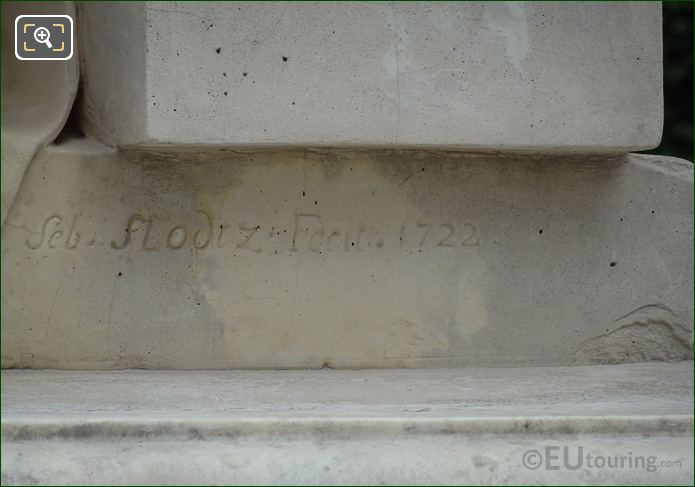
(332, 258)
(440, 196)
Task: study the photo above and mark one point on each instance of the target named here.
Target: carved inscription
(56, 231)
(145, 225)
(305, 232)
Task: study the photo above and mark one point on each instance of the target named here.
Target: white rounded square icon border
(72, 39)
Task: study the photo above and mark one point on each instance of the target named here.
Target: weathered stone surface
(435, 426)
(648, 333)
(500, 75)
(37, 97)
(217, 259)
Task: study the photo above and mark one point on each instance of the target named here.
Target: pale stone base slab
(433, 426)
(211, 258)
(427, 459)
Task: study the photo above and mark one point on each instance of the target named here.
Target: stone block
(195, 259)
(524, 76)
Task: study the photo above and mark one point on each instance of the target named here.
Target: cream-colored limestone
(435, 426)
(36, 98)
(497, 75)
(215, 259)
(159, 255)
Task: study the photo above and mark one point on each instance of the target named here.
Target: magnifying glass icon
(43, 36)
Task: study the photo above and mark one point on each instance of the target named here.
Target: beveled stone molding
(522, 425)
